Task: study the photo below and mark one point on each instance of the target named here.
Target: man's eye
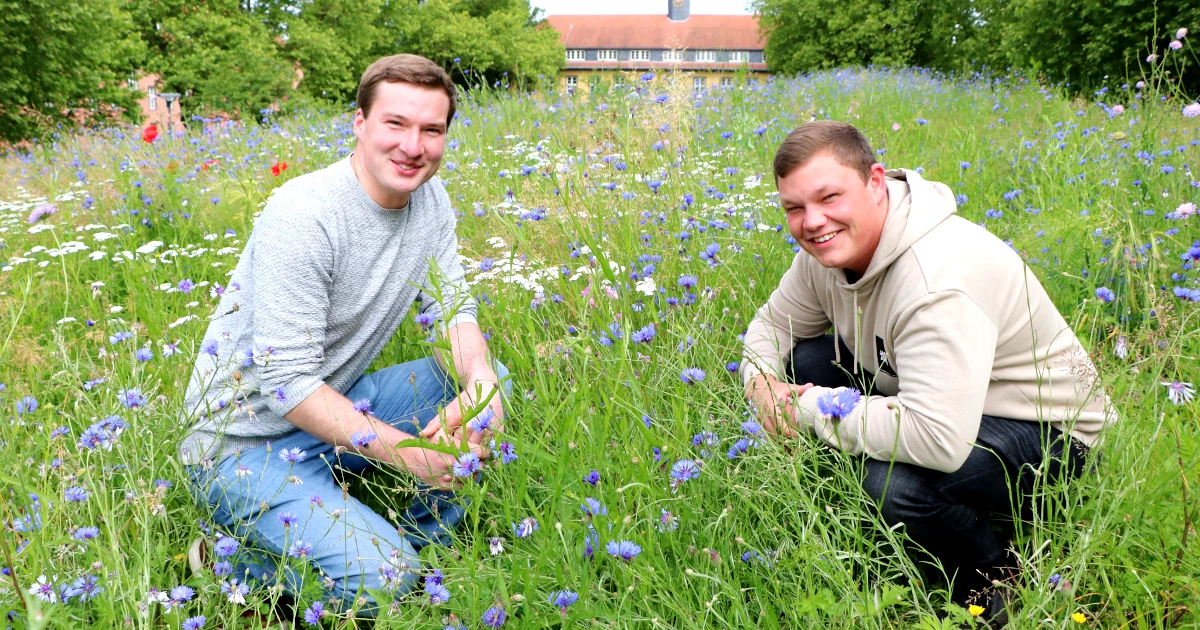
(829, 196)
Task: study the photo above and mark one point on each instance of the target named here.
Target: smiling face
(400, 142)
(832, 213)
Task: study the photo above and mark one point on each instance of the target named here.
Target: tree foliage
(63, 62)
(1080, 42)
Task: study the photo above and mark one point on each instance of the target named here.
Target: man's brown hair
(413, 69)
(844, 142)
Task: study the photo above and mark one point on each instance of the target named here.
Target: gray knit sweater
(326, 277)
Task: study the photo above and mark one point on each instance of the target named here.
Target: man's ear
(878, 182)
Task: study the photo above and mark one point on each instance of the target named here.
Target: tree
(805, 35)
(63, 63)
(1083, 42)
(223, 59)
(332, 41)
(485, 40)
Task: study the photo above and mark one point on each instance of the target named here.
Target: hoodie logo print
(885, 365)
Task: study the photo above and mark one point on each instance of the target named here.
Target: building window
(706, 55)
(133, 83)
(606, 55)
(699, 84)
(672, 55)
(726, 83)
(739, 55)
(572, 83)
(153, 96)
(764, 56)
(619, 81)
(639, 55)
(751, 82)
(576, 54)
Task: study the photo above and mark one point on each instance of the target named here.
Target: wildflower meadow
(617, 243)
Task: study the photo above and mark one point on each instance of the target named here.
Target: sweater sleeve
(792, 312)
(944, 349)
(292, 267)
(450, 278)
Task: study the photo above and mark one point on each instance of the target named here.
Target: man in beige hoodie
(948, 365)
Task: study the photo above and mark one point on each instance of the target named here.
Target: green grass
(1124, 537)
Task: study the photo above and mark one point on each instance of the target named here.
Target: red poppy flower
(209, 163)
(278, 168)
(150, 133)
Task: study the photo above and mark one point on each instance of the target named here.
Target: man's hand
(775, 402)
(434, 467)
(474, 392)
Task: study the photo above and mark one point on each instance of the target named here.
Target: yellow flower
(1079, 618)
(975, 610)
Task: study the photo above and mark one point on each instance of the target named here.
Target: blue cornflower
(838, 403)
(226, 547)
(180, 595)
(751, 427)
(292, 455)
(692, 375)
(486, 264)
(362, 405)
(425, 319)
(313, 615)
(91, 384)
(733, 366)
(468, 464)
(288, 519)
(684, 470)
(593, 507)
(300, 549)
(85, 587)
(493, 617)
(508, 452)
(222, 568)
(186, 285)
(144, 354)
(964, 165)
(592, 478)
(75, 494)
(710, 254)
(739, 447)
(589, 544)
(438, 594)
(193, 623)
(87, 532)
(361, 439)
(643, 335)
(119, 337)
(210, 347)
(132, 398)
(623, 549)
(28, 404)
(1105, 294)
(687, 281)
(960, 200)
(525, 528)
(482, 421)
(563, 599)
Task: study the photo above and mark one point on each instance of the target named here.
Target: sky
(637, 7)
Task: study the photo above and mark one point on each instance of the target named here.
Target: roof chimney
(679, 10)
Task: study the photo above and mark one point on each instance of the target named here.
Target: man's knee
(899, 490)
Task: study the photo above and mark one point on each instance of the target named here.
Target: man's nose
(410, 143)
(813, 220)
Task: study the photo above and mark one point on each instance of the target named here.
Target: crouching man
(972, 383)
(278, 398)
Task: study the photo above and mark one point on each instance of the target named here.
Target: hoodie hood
(934, 202)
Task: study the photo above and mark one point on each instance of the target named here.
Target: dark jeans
(950, 515)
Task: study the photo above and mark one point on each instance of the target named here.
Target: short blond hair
(845, 142)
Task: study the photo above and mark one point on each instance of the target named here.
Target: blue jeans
(952, 515)
(353, 548)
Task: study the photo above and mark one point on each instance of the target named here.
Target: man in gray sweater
(278, 400)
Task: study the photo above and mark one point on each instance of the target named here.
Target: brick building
(715, 49)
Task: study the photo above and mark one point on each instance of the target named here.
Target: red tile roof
(699, 32)
(730, 66)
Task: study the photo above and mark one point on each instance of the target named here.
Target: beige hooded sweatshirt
(953, 326)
